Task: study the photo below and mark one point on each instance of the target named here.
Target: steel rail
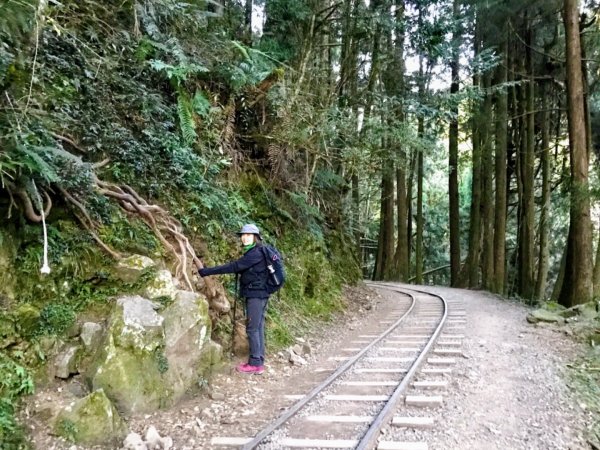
(289, 413)
(369, 439)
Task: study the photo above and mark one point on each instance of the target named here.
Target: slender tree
(577, 283)
(454, 201)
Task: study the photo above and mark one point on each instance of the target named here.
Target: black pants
(256, 309)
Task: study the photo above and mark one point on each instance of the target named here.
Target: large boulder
(92, 420)
(149, 360)
(187, 329)
(130, 269)
(130, 362)
(161, 286)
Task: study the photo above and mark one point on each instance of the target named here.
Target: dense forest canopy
(437, 141)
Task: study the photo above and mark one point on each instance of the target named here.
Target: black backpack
(275, 270)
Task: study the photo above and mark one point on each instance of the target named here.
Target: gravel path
(509, 392)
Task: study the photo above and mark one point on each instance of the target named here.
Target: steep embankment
(134, 129)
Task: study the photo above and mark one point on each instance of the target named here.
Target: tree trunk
(487, 169)
(401, 256)
(419, 257)
(526, 226)
(453, 193)
(577, 284)
(542, 273)
(248, 23)
(401, 261)
(475, 214)
(500, 119)
(420, 173)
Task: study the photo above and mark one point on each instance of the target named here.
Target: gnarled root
(165, 227)
(27, 203)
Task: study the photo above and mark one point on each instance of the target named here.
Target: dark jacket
(252, 268)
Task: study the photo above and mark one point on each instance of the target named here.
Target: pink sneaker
(247, 368)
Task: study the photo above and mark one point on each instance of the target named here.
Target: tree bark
(420, 173)
(577, 284)
(453, 193)
(544, 255)
(487, 165)
(401, 256)
(527, 223)
(500, 119)
(475, 213)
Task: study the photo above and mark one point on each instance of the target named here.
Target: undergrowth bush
(15, 381)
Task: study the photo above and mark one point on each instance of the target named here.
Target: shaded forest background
(434, 141)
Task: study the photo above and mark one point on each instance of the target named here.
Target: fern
(201, 104)
(187, 124)
(30, 157)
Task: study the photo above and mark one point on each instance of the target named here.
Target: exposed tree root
(166, 228)
(27, 203)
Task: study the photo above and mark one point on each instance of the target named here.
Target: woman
(252, 268)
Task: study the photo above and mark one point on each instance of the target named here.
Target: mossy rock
(128, 363)
(8, 332)
(160, 286)
(188, 350)
(130, 269)
(27, 319)
(92, 420)
(211, 360)
(543, 315)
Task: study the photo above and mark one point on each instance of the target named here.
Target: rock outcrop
(149, 360)
(92, 420)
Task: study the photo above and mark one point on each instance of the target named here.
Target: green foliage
(129, 235)
(161, 360)
(585, 379)
(56, 319)
(187, 123)
(68, 429)
(15, 382)
(180, 73)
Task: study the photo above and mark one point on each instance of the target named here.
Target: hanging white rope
(45, 267)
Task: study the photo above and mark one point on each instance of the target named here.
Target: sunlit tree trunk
(577, 284)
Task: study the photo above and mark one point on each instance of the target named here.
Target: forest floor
(512, 390)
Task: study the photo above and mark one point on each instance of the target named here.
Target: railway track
(379, 386)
